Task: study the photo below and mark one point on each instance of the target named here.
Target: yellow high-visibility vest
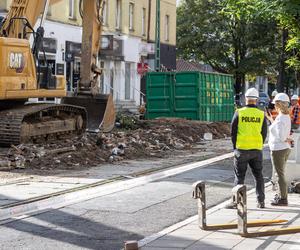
(249, 128)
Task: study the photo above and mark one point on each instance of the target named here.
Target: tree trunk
(239, 81)
(281, 81)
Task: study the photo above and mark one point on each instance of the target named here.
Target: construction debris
(133, 139)
(208, 136)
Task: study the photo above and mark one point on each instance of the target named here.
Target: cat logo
(16, 61)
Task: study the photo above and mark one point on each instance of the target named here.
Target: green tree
(287, 14)
(230, 35)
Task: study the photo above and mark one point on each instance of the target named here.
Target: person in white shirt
(280, 144)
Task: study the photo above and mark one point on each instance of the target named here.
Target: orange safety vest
(274, 113)
(292, 112)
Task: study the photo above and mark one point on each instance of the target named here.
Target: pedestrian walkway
(187, 234)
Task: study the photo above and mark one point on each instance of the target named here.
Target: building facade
(127, 43)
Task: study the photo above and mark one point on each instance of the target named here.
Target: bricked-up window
(118, 14)
(71, 9)
(167, 28)
(49, 12)
(144, 22)
(131, 17)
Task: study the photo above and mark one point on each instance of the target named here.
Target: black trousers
(254, 158)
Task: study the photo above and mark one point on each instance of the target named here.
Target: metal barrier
(199, 193)
(240, 193)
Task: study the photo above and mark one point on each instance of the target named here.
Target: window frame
(104, 12)
(167, 28)
(118, 18)
(144, 18)
(131, 16)
(71, 9)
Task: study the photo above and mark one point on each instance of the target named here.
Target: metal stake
(241, 198)
(199, 193)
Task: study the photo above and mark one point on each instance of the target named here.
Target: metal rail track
(87, 186)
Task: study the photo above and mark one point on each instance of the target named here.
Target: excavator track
(40, 122)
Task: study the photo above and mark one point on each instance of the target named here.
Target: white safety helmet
(252, 93)
(281, 97)
(274, 93)
(294, 97)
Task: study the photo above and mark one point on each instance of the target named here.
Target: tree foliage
(287, 14)
(230, 35)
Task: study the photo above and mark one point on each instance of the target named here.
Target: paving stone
(161, 248)
(214, 244)
(175, 242)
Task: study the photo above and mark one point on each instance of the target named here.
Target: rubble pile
(153, 138)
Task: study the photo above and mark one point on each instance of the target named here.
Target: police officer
(248, 133)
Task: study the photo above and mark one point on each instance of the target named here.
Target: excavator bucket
(100, 110)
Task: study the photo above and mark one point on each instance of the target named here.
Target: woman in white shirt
(280, 144)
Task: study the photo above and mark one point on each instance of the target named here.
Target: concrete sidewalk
(187, 234)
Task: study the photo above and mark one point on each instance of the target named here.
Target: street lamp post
(157, 37)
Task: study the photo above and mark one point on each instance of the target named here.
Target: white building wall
(132, 55)
(131, 49)
(64, 32)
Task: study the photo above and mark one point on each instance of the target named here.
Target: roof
(182, 65)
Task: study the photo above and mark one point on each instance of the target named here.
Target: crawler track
(40, 121)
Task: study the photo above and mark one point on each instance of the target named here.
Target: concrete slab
(202, 174)
(170, 243)
(135, 199)
(29, 189)
(161, 248)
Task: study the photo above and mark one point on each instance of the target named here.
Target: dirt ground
(143, 139)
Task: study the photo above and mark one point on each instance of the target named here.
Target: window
(104, 12)
(167, 27)
(263, 94)
(131, 13)
(102, 78)
(144, 22)
(118, 14)
(71, 9)
(127, 81)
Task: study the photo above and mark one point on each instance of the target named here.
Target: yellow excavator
(24, 75)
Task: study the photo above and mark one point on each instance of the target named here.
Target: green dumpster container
(191, 95)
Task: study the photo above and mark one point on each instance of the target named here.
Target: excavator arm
(100, 107)
(22, 15)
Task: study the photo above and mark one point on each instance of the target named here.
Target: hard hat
(294, 97)
(281, 97)
(252, 93)
(274, 93)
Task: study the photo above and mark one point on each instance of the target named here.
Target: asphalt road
(106, 222)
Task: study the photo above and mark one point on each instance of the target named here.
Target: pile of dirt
(154, 138)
